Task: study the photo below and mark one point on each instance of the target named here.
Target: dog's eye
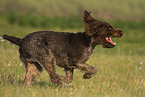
(110, 28)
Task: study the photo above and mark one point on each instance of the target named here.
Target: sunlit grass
(121, 70)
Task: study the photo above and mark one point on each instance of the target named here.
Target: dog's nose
(121, 33)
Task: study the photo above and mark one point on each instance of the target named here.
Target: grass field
(121, 70)
(109, 9)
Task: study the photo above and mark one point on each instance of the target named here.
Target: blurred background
(108, 9)
(52, 13)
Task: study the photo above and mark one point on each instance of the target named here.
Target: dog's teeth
(110, 38)
(115, 43)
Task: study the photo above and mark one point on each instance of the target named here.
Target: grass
(121, 70)
(109, 9)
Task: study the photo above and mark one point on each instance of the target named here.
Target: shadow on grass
(42, 84)
(13, 82)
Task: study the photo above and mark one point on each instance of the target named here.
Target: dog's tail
(13, 39)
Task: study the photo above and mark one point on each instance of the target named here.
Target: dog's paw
(87, 76)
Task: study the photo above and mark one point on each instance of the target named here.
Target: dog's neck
(93, 42)
(89, 39)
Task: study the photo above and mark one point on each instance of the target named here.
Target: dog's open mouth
(108, 39)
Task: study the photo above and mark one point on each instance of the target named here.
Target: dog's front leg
(69, 73)
(90, 70)
(50, 68)
(49, 64)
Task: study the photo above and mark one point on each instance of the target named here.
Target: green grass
(121, 70)
(109, 9)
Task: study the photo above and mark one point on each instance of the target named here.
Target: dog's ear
(89, 23)
(88, 18)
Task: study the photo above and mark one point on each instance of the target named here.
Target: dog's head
(100, 31)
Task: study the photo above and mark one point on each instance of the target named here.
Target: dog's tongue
(108, 39)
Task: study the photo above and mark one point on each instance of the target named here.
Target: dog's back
(68, 46)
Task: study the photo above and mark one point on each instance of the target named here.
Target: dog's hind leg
(32, 71)
(90, 70)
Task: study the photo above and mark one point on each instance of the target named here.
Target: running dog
(46, 49)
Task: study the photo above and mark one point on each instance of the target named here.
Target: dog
(46, 49)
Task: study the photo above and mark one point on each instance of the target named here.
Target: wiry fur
(46, 49)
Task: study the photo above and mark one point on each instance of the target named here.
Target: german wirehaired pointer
(46, 49)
